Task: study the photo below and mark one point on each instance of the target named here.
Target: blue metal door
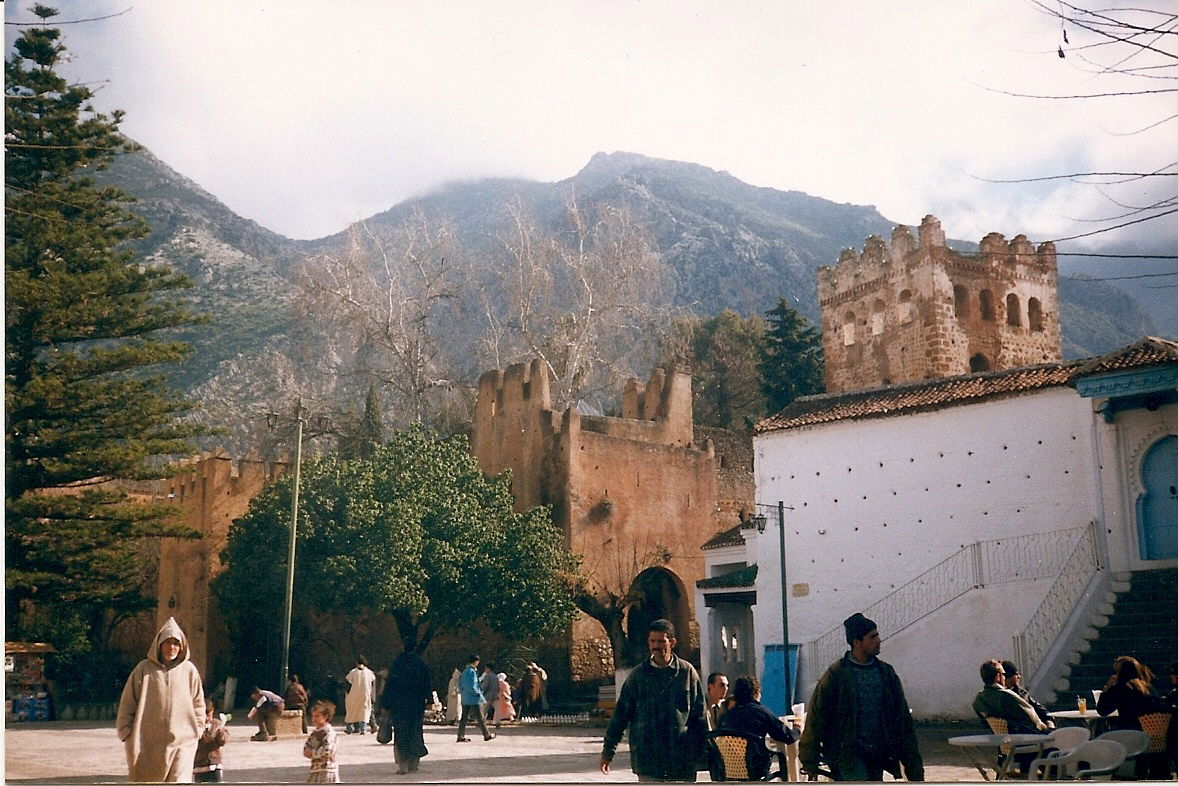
(1157, 508)
(773, 680)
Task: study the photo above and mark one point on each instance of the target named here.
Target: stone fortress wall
(916, 309)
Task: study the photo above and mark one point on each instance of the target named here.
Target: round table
(971, 743)
(1090, 717)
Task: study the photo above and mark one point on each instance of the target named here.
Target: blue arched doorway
(1157, 507)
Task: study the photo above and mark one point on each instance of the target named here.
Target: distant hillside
(728, 245)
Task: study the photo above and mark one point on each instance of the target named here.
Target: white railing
(1048, 621)
(988, 562)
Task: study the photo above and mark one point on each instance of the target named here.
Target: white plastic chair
(1069, 737)
(1092, 760)
(1135, 743)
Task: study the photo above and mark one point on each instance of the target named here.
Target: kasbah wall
(916, 311)
(661, 490)
(619, 487)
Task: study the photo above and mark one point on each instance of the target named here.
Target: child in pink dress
(320, 746)
(504, 711)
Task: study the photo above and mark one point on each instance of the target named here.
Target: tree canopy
(416, 531)
(85, 400)
(791, 358)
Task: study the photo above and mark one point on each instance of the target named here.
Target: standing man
(472, 700)
(859, 723)
(717, 698)
(489, 685)
(662, 702)
(361, 693)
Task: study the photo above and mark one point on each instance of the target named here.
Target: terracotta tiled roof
(1149, 351)
(744, 577)
(729, 537)
(917, 396)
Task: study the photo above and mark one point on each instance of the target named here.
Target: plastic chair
(1135, 743)
(1069, 737)
(1091, 760)
(728, 756)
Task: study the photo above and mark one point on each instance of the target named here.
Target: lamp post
(299, 418)
(761, 521)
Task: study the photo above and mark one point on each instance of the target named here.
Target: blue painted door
(1157, 508)
(773, 681)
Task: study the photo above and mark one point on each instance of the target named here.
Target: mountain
(727, 244)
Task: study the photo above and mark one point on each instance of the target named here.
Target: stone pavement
(88, 752)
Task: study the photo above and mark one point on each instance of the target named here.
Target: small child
(320, 746)
(207, 764)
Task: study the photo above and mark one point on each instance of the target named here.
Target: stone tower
(920, 310)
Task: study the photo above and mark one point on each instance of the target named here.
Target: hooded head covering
(858, 626)
(170, 630)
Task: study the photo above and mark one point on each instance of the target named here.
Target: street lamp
(761, 521)
(299, 418)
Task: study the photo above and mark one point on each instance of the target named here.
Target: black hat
(1008, 668)
(858, 626)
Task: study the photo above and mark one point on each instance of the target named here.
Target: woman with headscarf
(162, 711)
(406, 693)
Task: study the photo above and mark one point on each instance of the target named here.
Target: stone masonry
(920, 310)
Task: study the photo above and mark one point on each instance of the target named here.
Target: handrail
(1045, 625)
(998, 561)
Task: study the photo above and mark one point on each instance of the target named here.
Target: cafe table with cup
(1083, 715)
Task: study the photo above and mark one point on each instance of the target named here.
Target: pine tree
(791, 362)
(85, 400)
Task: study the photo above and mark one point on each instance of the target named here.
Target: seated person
(1014, 682)
(1130, 692)
(749, 715)
(995, 700)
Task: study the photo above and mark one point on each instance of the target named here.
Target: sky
(306, 116)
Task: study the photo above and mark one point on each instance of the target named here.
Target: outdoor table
(789, 762)
(971, 743)
(1091, 718)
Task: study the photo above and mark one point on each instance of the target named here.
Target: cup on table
(1082, 704)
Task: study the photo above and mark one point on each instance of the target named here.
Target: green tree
(81, 321)
(791, 362)
(416, 531)
(361, 434)
(724, 355)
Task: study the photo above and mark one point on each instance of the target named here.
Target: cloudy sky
(305, 115)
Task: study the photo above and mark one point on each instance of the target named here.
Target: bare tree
(589, 301)
(390, 299)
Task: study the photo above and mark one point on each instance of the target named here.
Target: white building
(986, 515)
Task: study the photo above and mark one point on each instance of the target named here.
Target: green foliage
(791, 362)
(723, 353)
(81, 320)
(416, 531)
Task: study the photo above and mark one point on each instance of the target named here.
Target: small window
(986, 305)
(849, 329)
(877, 318)
(961, 301)
(1013, 317)
(979, 362)
(905, 309)
(1035, 315)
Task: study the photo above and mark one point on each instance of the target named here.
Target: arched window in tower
(960, 301)
(979, 362)
(1013, 316)
(986, 305)
(905, 309)
(877, 318)
(849, 329)
(1034, 314)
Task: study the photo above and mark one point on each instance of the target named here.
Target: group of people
(1129, 693)
(501, 702)
(858, 723)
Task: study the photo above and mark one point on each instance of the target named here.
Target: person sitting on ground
(1014, 682)
(749, 715)
(995, 700)
(267, 709)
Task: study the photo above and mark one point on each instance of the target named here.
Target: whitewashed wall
(877, 502)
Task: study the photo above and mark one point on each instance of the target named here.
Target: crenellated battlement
(915, 309)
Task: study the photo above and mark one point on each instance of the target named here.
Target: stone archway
(657, 594)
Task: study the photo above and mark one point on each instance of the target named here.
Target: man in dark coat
(858, 721)
(406, 694)
(662, 702)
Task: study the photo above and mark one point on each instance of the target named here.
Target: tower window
(1035, 314)
(904, 309)
(961, 301)
(979, 362)
(877, 318)
(849, 329)
(986, 305)
(1013, 317)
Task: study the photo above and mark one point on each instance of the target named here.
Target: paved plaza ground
(88, 752)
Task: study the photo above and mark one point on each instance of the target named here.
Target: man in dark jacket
(749, 715)
(662, 702)
(1014, 682)
(858, 721)
(406, 693)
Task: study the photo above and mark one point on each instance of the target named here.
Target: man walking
(662, 702)
(489, 685)
(361, 694)
(858, 721)
(472, 700)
